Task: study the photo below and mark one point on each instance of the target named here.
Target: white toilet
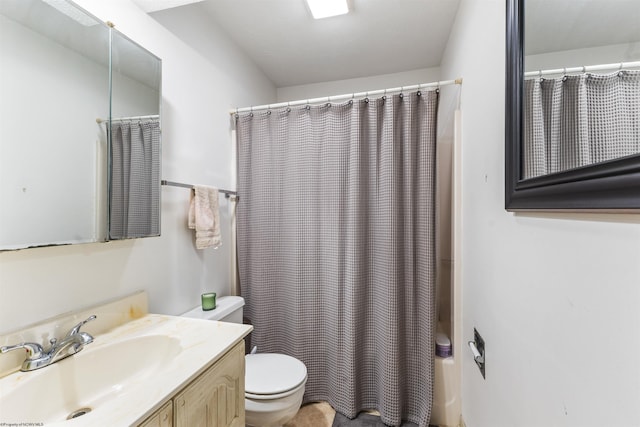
(274, 383)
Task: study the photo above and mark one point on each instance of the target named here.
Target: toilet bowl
(274, 387)
(274, 383)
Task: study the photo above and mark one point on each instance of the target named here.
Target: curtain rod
(121, 119)
(347, 96)
(227, 193)
(584, 69)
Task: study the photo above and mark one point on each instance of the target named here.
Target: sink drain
(78, 413)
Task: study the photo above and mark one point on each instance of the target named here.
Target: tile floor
(319, 414)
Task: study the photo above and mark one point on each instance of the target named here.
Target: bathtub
(445, 411)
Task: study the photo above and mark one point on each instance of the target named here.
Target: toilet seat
(274, 396)
(273, 376)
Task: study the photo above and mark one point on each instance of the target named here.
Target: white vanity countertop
(193, 345)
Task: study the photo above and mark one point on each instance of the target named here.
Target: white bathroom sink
(122, 377)
(81, 383)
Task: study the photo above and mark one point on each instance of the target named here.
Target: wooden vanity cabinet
(163, 417)
(214, 399)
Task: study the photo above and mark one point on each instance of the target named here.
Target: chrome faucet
(37, 357)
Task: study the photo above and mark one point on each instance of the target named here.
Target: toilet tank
(228, 309)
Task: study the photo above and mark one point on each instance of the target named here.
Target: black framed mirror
(611, 185)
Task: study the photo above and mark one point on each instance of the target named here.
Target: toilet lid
(270, 373)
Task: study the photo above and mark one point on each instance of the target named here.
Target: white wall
(198, 92)
(555, 296)
(362, 84)
(612, 54)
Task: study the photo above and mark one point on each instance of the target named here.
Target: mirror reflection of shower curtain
(577, 121)
(134, 199)
(336, 247)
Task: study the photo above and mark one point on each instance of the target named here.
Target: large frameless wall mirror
(55, 103)
(573, 105)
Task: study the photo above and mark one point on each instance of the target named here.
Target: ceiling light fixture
(326, 8)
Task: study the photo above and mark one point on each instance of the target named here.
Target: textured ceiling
(387, 36)
(376, 37)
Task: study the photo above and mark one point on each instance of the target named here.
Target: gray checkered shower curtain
(579, 120)
(134, 173)
(336, 247)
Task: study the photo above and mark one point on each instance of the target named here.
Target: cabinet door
(215, 398)
(163, 417)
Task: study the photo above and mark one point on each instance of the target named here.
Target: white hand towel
(204, 216)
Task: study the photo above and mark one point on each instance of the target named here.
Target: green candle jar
(208, 301)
